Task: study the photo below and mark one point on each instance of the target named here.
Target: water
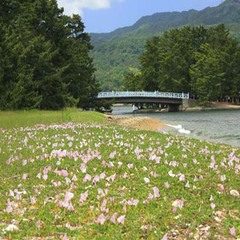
(217, 126)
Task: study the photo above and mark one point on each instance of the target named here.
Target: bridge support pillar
(173, 108)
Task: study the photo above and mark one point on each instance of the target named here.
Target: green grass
(45, 171)
(29, 118)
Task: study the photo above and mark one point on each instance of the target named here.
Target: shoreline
(213, 107)
(140, 123)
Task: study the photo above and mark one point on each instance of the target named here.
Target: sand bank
(141, 123)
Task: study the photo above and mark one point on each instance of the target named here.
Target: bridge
(172, 100)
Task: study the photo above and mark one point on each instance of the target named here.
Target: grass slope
(85, 179)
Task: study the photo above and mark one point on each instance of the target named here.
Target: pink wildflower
(234, 193)
(113, 218)
(25, 175)
(64, 173)
(223, 178)
(156, 192)
(182, 178)
(87, 178)
(101, 219)
(83, 197)
(33, 200)
(212, 205)
(121, 219)
(166, 184)
(178, 203)
(146, 180)
(232, 231)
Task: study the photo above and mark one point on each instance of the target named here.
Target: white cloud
(77, 6)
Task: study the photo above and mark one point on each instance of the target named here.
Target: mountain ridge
(115, 50)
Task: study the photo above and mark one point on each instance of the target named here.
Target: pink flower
(112, 154)
(146, 180)
(64, 173)
(166, 184)
(39, 175)
(182, 178)
(121, 219)
(102, 175)
(45, 177)
(101, 219)
(96, 179)
(156, 192)
(212, 205)
(83, 168)
(211, 198)
(83, 197)
(65, 237)
(234, 193)
(74, 178)
(39, 224)
(68, 196)
(130, 165)
(87, 178)
(120, 164)
(171, 174)
(133, 202)
(232, 231)
(70, 207)
(113, 218)
(9, 207)
(220, 187)
(103, 207)
(24, 162)
(150, 196)
(125, 175)
(25, 175)
(165, 237)
(32, 200)
(223, 178)
(178, 203)
(112, 177)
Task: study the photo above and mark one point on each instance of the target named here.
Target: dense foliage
(116, 51)
(44, 56)
(201, 61)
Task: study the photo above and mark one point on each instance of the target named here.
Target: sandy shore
(141, 123)
(215, 106)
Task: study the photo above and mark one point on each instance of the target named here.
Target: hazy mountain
(116, 51)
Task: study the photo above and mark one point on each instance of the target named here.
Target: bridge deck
(143, 94)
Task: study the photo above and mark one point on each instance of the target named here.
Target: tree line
(44, 57)
(199, 60)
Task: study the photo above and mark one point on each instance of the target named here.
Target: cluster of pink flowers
(86, 167)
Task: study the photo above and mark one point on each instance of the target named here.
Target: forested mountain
(44, 57)
(116, 51)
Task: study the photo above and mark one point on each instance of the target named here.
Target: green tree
(202, 61)
(133, 80)
(207, 73)
(150, 64)
(45, 59)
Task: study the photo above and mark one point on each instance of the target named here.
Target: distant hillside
(116, 51)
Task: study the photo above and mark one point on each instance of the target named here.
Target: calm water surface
(216, 126)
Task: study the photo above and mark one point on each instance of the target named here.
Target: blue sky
(107, 15)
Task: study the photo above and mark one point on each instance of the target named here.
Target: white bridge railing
(143, 94)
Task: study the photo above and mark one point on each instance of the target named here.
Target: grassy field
(71, 175)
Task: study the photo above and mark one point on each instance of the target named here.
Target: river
(216, 126)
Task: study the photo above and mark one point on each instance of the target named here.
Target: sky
(100, 16)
